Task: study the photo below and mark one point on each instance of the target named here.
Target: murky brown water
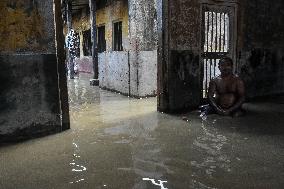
(124, 143)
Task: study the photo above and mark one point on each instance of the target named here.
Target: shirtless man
(226, 92)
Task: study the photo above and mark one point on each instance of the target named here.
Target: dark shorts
(208, 109)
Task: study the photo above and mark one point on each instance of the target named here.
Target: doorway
(218, 39)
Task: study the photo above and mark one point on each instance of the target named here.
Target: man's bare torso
(227, 91)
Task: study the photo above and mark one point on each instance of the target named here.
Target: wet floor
(118, 142)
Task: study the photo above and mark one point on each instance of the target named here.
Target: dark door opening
(87, 43)
(117, 36)
(101, 39)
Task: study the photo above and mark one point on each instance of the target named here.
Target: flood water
(118, 142)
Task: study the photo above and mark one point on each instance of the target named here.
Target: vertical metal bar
(205, 29)
(207, 34)
(210, 69)
(224, 31)
(214, 67)
(228, 31)
(211, 37)
(216, 33)
(206, 75)
(220, 33)
(204, 19)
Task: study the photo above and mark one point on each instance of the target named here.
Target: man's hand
(223, 112)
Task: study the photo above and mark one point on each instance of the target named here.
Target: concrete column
(93, 7)
(60, 52)
(143, 41)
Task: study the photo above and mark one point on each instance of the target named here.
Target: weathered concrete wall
(143, 24)
(28, 69)
(261, 46)
(147, 73)
(117, 72)
(178, 56)
(143, 36)
(114, 71)
(26, 26)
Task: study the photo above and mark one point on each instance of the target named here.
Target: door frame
(233, 28)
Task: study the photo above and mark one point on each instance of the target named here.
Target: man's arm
(211, 91)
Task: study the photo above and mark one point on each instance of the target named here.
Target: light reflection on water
(211, 143)
(77, 166)
(160, 183)
(133, 127)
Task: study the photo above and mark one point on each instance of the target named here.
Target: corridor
(116, 142)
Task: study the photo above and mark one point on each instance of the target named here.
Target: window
(87, 43)
(101, 39)
(117, 36)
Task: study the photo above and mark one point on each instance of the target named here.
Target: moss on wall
(21, 26)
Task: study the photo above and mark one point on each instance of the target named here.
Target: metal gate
(218, 40)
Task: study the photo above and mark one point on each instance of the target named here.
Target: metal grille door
(217, 40)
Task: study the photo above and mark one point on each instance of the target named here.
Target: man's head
(226, 66)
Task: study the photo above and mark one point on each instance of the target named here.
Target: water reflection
(77, 166)
(160, 183)
(211, 144)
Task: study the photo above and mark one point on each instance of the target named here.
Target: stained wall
(29, 97)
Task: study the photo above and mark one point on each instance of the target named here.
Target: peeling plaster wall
(143, 25)
(143, 36)
(118, 73)
(114, 72)
(147, 73)
(29, 98)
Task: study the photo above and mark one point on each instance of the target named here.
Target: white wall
(138, 79)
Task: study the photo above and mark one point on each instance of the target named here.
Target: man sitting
(226, 92)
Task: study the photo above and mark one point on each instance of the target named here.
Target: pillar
(92, 4)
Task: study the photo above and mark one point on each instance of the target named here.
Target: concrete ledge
(31, 132)
(94, 82)
(127, 94)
